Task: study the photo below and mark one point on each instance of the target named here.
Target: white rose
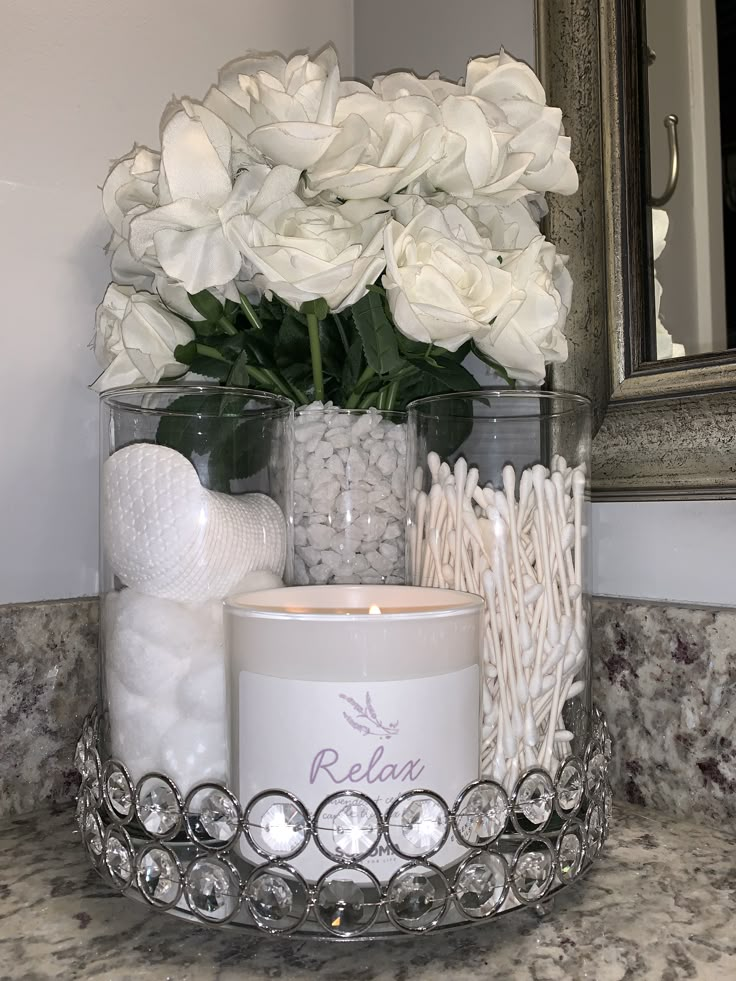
(131, 187)
(380, 147)
(539, 141)
(476, 158)
(660, 227)
(284, 109)
(304, 252)
(176, 299)
(528, 334)
(184, 236)
(443, 280)
(124, 269)
(135, 339)
(509, 227)
(476, 135)
(398, 85)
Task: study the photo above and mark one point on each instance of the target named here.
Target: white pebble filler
(349, 496)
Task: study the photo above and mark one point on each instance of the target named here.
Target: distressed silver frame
(666, 429)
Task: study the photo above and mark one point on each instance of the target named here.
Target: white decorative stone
(349, 501)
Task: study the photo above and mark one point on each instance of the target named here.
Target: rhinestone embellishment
(347, 827)
(371, 871)
(158, 806)
(481, 814)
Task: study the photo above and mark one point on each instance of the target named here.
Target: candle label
(380, 738)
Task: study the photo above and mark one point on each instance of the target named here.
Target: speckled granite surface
(47, 683)
(660, 904)
(666, 679)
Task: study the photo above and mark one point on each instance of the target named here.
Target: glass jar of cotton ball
(196, 490)
(499, 506)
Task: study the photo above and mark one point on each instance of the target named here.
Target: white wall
(676, 551)
(89, 78)
(684, 80)
(439, 34)
(81, 80)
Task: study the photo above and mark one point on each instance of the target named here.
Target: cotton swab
(525, 558)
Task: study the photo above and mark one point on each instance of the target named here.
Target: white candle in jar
(369, 689)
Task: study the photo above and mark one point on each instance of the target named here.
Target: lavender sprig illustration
(366, 719)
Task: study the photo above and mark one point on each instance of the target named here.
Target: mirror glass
(691, 76)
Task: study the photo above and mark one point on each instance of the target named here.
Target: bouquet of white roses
(311, 236)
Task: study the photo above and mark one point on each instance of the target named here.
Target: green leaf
(204, 329)
(232, 309)
(352, 366)
(445, 431)
(260, 347)
(186, 353)
(332, 347)
(377, 333)
(224, 448)
(450, 376)
(239, 371)
(292, 342)
(206, 305)
(498, 368)
(210, 368)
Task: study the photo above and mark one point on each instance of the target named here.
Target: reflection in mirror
(693, 176)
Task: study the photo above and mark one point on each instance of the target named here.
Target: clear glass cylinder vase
(349, 495)
(499, 506)
(196, 495)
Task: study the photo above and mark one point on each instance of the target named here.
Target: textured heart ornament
(168, 536)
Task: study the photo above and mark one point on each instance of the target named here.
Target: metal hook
(670, 123)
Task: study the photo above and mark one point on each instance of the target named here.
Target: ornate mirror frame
(667, 429)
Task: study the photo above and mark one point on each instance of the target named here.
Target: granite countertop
(660, 904)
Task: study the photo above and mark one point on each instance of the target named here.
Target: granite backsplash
(664, 675)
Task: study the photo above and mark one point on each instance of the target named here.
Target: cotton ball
(150, 642)
(121, 701)
(201, 696)
(143, 667)
(136, 739)
(207, 643)
(195, 753)
(168, 623)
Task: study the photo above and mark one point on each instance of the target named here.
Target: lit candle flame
(375, 609)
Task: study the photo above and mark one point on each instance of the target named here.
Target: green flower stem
(341, 331)
(392, 395)
(250, 313)
(369, 400)
(264, 377)
(316, 353)
(360, 386)
(270, 380)
(227, 326)
(211, 352)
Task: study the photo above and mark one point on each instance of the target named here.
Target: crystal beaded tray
(183, 854)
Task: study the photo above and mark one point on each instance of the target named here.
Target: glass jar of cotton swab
(499, 506)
